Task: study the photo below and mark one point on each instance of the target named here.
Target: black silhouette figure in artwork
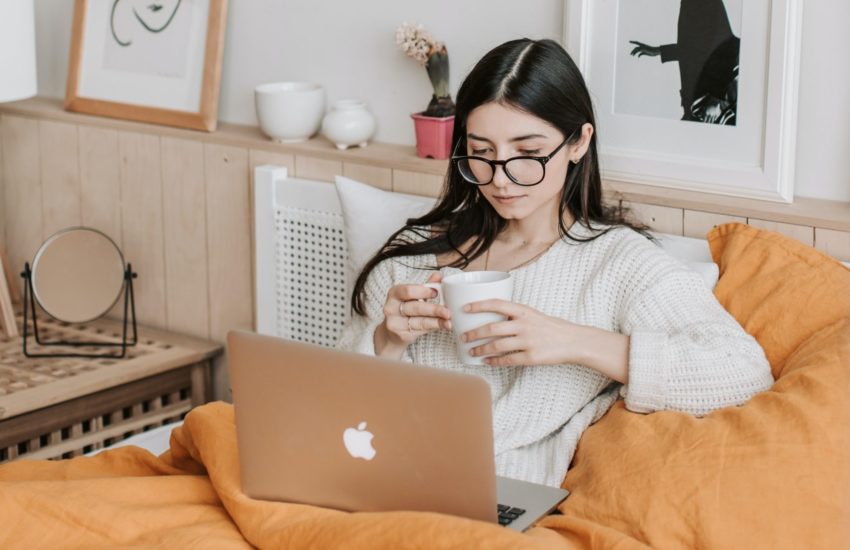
(707, 53)
(150, 18)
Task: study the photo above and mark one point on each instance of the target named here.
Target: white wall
(349, 47)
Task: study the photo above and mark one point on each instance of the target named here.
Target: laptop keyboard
(508, 514)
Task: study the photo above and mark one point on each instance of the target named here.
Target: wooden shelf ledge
(804, 211)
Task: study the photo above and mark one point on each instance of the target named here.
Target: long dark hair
(538, 77)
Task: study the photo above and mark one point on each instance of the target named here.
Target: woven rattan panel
(312, 275)
(28, 384)
(19, 373)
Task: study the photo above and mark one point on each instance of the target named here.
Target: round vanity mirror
(78, 275)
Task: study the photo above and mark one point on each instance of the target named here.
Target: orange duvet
(774, 473)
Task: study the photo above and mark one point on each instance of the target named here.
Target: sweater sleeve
(359, 333)
(687, 353)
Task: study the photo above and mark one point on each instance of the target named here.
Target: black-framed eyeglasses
(525, 170)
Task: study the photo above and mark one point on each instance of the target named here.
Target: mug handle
(439, 288)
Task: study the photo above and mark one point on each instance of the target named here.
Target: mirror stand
(29, 304)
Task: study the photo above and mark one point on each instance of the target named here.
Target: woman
(599, 310)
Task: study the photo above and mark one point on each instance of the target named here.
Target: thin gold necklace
(528, 261)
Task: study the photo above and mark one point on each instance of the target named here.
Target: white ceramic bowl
(289, 111)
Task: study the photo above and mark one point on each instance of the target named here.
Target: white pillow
(371, 215)
(694, 253)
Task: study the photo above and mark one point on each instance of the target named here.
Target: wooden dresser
(63, 407)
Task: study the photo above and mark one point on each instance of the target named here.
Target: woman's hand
(642, 49)
(529, 337)
(407, 316)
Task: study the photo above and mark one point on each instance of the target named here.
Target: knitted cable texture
(686, 352)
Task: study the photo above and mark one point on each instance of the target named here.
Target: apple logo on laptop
(358, 442)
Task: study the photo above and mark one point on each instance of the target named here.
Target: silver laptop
(354, 432)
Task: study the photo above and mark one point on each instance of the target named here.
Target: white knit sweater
(686, 354)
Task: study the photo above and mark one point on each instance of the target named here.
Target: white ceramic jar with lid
(349, 123)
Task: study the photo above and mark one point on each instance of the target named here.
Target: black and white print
(679, 59)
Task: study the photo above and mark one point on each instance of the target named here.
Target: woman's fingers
(412, 292)
(426, 324)
(499, 328)
(425, 309)
(497, 346)
(504, 307)
(412, 325)
(517, 359)
(408, 315)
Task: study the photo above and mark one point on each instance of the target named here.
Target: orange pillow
(773, 473)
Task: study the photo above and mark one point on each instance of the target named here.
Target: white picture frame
(753, 159)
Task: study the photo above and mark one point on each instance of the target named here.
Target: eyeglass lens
(521, 171)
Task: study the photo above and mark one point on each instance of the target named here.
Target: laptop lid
(350, 431)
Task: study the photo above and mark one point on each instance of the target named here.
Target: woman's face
(497, 131)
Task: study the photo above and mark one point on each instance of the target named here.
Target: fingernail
(464, 337)
(448, 325)
(467, 307)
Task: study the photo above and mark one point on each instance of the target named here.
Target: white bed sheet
(156, 440)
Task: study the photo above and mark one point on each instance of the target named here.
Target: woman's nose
(500, 178)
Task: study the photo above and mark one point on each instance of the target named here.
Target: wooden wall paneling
(8, 274)
(376, 176)
(141, 216)
(834, 243)
(100, 181)
(229, 239)
(317, 169)
(802, 233)
(22, 213)
(697, 224)
(60, 176)
(417, 183)
(185, 212)
(659, 218)
(2, 196)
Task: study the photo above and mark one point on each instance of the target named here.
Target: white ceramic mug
(455, 291)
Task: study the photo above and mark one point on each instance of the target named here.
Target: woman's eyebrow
(518, 138)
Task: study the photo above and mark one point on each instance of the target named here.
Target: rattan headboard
(302, 276)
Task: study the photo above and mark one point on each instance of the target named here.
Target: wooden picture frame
(172, 89)
(8, 325)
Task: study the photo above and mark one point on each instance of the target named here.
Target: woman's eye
(530, 152)
(479, 151)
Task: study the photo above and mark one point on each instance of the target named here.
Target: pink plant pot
(433, 135)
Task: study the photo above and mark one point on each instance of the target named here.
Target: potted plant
(435, 124)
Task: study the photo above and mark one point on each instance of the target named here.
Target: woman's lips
(508, 199)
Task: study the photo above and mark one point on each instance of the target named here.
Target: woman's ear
(578, 150)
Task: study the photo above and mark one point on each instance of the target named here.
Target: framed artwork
(156, 62)
(8, 325)
(693, 94)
